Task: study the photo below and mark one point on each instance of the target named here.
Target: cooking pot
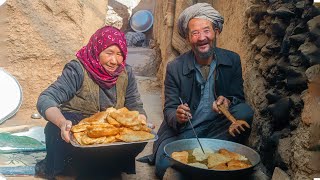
(215, 145)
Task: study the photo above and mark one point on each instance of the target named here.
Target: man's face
(201, 37)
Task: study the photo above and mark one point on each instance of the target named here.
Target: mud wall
(285, 45)
(42, 35)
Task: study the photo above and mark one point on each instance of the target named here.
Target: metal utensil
(36, 116)
(193, 128)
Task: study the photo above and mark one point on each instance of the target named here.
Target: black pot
(215, 145)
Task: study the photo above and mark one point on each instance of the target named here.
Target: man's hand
(182, 113)
(65, 128)
(144, 118)
(220, 100)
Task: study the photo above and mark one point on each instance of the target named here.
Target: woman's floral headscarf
(89, 55)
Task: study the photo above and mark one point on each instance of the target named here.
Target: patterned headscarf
(199, 10)
(89, 55)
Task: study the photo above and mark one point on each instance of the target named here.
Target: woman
(99, 78)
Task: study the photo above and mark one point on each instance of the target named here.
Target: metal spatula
(193, 128)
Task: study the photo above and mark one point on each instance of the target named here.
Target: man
(203, 78)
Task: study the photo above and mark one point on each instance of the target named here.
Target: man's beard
(205, 55)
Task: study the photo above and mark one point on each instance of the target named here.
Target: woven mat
(20, 163)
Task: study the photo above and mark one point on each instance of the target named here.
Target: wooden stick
(12, 129)
(225, 111)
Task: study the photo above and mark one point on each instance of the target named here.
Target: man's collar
(188, 64)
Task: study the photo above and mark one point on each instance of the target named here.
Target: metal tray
(75, 143)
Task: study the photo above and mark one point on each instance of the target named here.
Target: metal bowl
(141, 21)
(215, 145)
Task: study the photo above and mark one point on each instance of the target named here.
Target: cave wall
(119, 13)
(285, 44)
(42, 36)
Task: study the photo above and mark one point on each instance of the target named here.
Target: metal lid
(141, 21)
(10, 95)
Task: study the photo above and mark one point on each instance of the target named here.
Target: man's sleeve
(171, 98)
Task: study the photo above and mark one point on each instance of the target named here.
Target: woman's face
(111, 58)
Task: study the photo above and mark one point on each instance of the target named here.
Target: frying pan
(215, 145)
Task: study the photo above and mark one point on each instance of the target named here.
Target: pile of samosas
(221, 160)
(112, 126)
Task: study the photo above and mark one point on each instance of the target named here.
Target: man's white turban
(199, 10)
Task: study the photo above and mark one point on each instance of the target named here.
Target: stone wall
(285, 44)
(119, 13)
(42, 35)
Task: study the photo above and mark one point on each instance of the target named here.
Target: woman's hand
(65, 128)
(182, 113)
(221, 100)
(54, 115)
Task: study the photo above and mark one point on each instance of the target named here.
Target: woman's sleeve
(63, 89)
(133, 99)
